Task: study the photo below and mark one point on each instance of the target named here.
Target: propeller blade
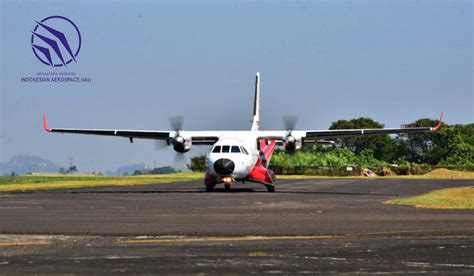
(289, 122)
(159, 144)
(179, 159)
(176, 122)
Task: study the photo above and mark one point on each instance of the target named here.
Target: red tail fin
(267, 148)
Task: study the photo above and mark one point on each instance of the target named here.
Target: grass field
(67, 181)
(435, 174)
(451, 198)
(60, 181)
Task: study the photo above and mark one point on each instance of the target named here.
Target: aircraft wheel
(209, 188)
(227, 188)
(270, 188)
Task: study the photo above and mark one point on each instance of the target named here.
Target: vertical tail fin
(256, 104)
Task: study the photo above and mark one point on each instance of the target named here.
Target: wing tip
(45, 123)
(439, 123)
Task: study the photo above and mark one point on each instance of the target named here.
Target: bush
(198, 163)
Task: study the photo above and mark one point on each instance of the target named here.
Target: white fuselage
(240, 157)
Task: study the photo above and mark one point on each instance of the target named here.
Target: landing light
(227, 179)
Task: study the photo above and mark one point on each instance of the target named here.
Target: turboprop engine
(289, 142)
(181, 144)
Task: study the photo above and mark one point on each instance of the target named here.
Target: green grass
(59, 181)
(62, 181)
(450, 198)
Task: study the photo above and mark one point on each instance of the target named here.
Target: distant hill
(129, 169)
(22, 164)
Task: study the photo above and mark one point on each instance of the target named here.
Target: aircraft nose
(224, 166)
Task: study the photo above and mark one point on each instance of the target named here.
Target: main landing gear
(209, 188)
(270, 188)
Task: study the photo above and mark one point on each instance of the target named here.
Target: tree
(381, 145)
(198, 163)
(163, 170)
(467, 133)
(72, 169)
(137, 172)
(62, 170)
(452, 149)
(420, 147)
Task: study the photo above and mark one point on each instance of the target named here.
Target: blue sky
(394, 61)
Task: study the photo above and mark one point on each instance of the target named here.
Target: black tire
(270, 189)
(209, 188)
(227, 188)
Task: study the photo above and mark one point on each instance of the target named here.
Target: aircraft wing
(321, 136)
(197, 137)
(342, 133)
(145, 134)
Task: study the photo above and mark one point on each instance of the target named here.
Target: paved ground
(324, 225)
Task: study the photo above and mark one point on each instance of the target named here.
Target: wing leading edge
(356, 132)
(197, 137)
(318, 136)
(143, 134)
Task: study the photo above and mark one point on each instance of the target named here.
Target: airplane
(240, 156)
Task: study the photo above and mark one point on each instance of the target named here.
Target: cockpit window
(244, 150)
(217, 149)
(225, 149)
(235, 149)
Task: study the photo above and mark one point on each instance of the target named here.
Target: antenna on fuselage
(256, 104)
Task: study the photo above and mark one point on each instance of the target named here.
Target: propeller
(176, 123)
(160, 144)
(289, 140)
(289, 122)
(179, 159)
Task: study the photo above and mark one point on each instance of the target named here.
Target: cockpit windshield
(225, 149)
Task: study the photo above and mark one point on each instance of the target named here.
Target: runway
(319, 225)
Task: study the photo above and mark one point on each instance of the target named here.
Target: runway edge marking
(269, 238)
(23, 243)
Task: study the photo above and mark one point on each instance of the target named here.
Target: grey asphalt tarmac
(306, 226)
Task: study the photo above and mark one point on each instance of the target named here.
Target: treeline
(160, 170)
(451, 146)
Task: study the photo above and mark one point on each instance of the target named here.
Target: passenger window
(244, 150)
(235, 149)
(225, 149)
(217, 149)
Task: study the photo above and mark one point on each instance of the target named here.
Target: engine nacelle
(290, 143)
(181, 144)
